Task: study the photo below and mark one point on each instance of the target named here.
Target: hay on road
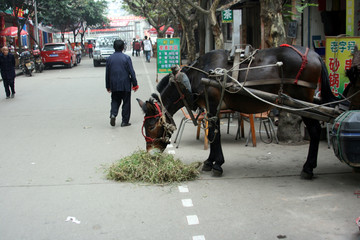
(158, 168)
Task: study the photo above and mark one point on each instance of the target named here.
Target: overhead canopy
(12, 32)
(169, 31)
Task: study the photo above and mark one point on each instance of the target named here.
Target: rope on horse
(284, 107)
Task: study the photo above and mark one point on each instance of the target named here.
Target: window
(56, 47)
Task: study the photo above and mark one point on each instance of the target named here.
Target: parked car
(58, 54)
(103, 49)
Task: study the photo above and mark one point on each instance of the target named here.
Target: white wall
(312, 26)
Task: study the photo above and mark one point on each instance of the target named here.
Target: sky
(114, 9)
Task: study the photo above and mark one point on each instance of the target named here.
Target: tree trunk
(216, 30)
(274, 33)
(201, 29)
(289, 127)
(271, 17)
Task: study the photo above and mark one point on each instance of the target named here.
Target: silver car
(103, 49)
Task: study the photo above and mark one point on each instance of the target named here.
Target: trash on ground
(72, 219)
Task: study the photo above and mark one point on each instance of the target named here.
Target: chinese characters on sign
(168, 54)
(338, 59)
(227, 16)
(350, 17)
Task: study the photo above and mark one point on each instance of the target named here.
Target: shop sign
(338, 58)
(227, 16)
(168, 54)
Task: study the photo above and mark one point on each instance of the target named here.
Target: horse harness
(303, 57)
(169, 128)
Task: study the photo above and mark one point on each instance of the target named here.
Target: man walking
(7, 66)
(147, 48)
(120, 79)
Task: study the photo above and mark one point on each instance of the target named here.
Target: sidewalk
(18, 72)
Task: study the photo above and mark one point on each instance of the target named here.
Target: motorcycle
(39, 65)
(26, 63)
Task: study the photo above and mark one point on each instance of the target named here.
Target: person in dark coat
(7, 66)
(120, 79)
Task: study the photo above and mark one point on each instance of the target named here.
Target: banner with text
(168, 54)
(338, 58)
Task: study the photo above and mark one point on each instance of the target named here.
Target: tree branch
(200, 9)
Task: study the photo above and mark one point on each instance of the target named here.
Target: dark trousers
(148, 55)
(9, 84)
(116, 99)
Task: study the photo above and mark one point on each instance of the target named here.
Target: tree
(155, 12)
(59, 14)
(272, 18)
(272, 12)
(188, 21)
(211, 15)
(23, 10)
(93, 16)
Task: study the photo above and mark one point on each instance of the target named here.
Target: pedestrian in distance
(147, 48)
(7, 66)
(137, 48)
(133, 47)
(77, 49)
(90, 47)
(120, 78)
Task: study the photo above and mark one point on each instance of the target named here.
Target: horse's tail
(326, 93)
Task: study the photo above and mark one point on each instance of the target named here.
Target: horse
(297, 76)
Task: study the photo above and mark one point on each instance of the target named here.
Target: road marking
(171, 152)
(192, 220)
(183, 189)
(187, 202)
(200, 237)
(148, 77)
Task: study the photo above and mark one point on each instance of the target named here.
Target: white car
(103, 49)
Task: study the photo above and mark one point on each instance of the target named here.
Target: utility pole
(36, 24)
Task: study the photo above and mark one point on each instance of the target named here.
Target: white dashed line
(187, 202)
(201, 237)
(192, 220)
(183, 189)
(171, 152)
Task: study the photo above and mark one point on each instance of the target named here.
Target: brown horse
(297, 77)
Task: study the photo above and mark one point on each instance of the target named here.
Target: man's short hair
(145, 37)
(119, 45)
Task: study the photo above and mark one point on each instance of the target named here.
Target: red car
(58, 54)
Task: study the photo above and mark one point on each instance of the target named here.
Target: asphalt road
(56, 141)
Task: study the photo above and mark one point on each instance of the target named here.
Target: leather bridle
(169, 128)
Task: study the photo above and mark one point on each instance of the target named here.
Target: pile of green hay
(158, 168)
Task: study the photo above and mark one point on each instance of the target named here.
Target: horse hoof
(306, 175)
(206, 167)
(217, 171)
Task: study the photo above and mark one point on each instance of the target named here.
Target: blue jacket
(120, 74)
(7, 66)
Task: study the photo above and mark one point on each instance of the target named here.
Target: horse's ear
(155, 96)
(142, 105)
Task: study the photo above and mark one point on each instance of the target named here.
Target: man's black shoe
(112, 120)
(125, 124)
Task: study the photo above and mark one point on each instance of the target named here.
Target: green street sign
(227, 16)
(168, 54)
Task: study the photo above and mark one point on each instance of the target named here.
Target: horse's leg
(314, 129)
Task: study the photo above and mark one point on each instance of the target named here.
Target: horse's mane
(163, 83)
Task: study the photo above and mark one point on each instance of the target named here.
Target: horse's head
(158, 125)
(353, 88)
